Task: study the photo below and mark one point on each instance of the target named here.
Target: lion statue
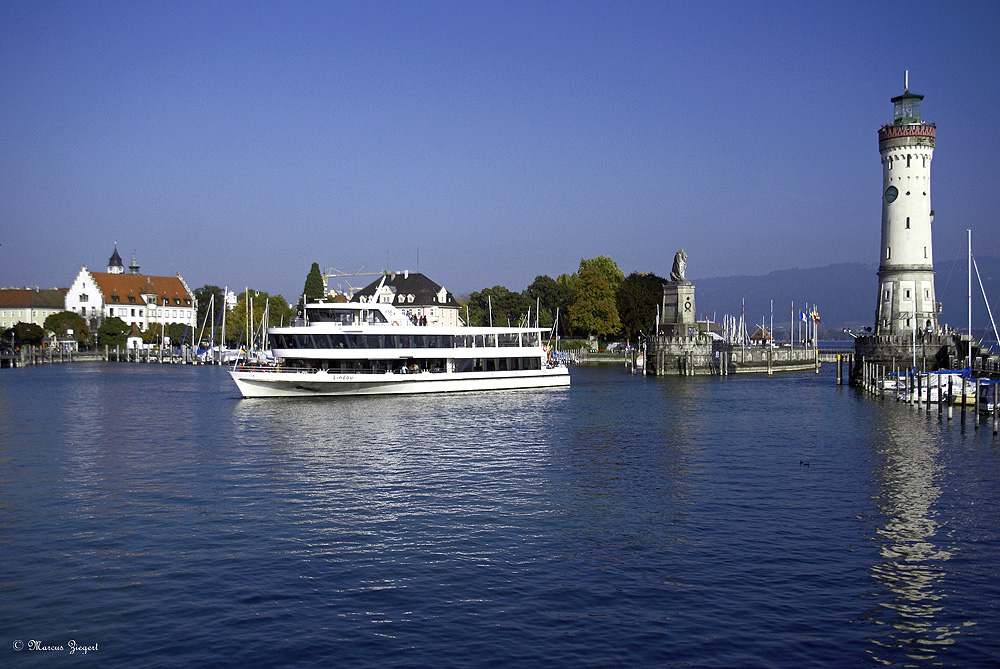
(680, 264)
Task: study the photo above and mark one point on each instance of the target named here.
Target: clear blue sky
(490, 142)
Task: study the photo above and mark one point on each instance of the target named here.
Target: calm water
(623, 521)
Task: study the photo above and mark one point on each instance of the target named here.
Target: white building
(145, 301)
(413, 293)
(906, 271)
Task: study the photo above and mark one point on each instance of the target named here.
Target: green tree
(206, 304)
(179, 335)
(25, 334)
(551, 295)
(593, 310)
(64, 322)
(607, 267)
(638, 297)
(113, 332)
(506, 306)
(236, 318)
(315, 287)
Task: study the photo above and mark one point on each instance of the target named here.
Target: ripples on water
(622, 521)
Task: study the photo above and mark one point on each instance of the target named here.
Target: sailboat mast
(969, 232)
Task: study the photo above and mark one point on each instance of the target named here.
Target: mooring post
(950, 396)
(996, 406)
(840, 369)
(964, 400)
(975, 407)
(928, 383)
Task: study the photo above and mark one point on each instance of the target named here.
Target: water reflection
(911, 605)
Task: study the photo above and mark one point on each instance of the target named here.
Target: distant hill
(844, 294)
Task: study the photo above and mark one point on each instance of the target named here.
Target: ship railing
(253, 367)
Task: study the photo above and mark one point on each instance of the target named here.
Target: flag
(802, 315)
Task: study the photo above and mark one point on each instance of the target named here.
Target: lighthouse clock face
(891, 194)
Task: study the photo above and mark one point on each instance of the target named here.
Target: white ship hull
(326, 384)
(373, 348)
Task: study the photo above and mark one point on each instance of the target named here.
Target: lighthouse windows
(907, 162)
(888, 252)
(925, 253)
(907, 220)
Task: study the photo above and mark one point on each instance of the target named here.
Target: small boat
(373, 348)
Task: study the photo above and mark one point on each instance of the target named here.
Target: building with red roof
(138, 299)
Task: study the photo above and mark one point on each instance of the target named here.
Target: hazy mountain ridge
(844, 294)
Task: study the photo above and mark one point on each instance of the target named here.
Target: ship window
(508, 339)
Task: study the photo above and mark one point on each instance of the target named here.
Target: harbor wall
(747, 359)
(932, 351)
(680, 356)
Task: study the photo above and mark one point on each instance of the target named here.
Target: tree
(206, 305)
(64, 322)
(607, 267)
(506, 306)
(638, 297)
(593, 310)
(551, 295)
(113, 332)
(315, 287)
(236, 318)
(25, 334)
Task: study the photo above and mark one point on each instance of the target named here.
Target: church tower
(115, 265)
(906, 271)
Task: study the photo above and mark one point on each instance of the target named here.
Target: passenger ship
(372, 348)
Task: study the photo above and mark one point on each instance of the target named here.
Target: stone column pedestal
(678, 317)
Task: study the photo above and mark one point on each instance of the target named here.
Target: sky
(481, 143)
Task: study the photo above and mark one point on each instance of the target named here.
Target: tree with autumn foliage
(593, 310)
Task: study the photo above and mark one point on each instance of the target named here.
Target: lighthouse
(906, 300)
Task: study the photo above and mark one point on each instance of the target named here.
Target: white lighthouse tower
(906, 271)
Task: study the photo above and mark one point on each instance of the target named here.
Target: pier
(974, 396)
(36, 355)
